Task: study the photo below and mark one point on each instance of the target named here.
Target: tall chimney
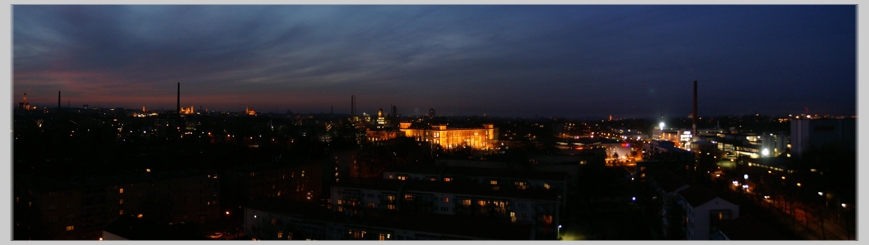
(694, 115)
(352, 106)
(58, 99)
(178, 100)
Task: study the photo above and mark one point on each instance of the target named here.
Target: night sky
(569, 61)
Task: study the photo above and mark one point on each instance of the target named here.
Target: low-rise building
(704, 212)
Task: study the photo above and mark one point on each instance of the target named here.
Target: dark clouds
(463, 60)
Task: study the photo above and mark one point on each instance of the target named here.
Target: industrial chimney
(178, 100)
(694, 115)
(58, 100)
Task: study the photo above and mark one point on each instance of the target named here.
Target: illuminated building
(249, 111)
(185, 110)
(380, 135)
(538, 207)
(483, 138)
(380, 118)
(24, 105)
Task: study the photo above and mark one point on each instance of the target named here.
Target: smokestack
(694, 117)
(58, 99)
(178, 100)
(352, 106)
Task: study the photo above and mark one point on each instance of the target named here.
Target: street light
(745, 176)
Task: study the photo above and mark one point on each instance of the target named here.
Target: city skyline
(571, 61)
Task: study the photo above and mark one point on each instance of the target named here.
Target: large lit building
(536, 207)
(483, 138)
(808, 133)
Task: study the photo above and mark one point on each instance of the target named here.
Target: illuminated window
(139, 216)
(481, 203)
(546, 186)
(390, 206)
(494, 182)
(408, 197)
(402, 177)
(466, 202)
(448, 179)
(370, 204)
(70, 228)
(390, 198)
(446, 199)
(274, 221)
(121, 201)
(340, 201)
(547, 219)
(252, 174)
(121, 212)
(121, 191)
(280, 234)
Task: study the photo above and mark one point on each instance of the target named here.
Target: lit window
(494, 182)
(121, 191)
(402, 177)
(340, 202)
(546, 186)
(139, 216)
(121, 212)
(280, 234)
(70, 228)
(446, 199)
(390, 198)
(448, 179)
(121, 201)
(466, 202)
(390, 206)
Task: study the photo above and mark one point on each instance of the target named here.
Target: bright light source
(820, 193)
(633, 198)
(844, 205)
(661, 125)
(745, 176)
(798, 184)
(227, 213)
(744, 186)
(765, 152)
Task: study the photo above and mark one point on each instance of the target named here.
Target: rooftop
(459, 188)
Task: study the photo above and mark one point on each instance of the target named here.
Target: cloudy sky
(571, 61)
